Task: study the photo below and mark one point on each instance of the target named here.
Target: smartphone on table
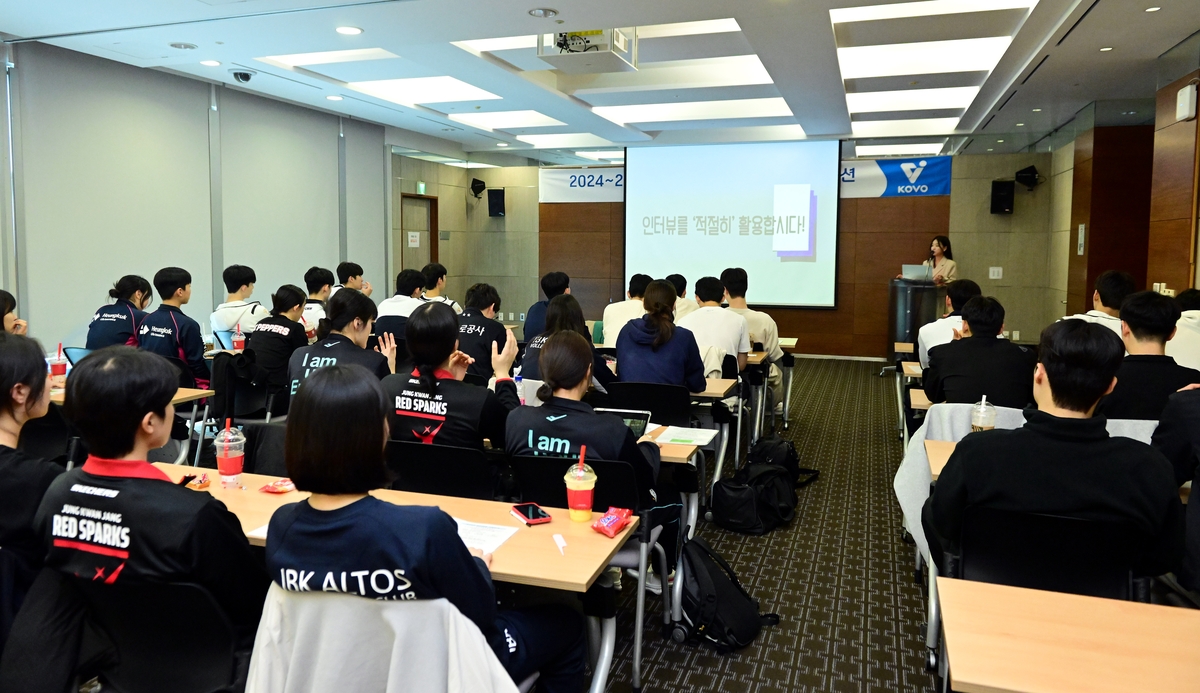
(530, 513)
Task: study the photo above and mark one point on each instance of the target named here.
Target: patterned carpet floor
(838, 575)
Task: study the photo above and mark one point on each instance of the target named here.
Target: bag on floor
(775, 450)
(755, 500)
(716, 607)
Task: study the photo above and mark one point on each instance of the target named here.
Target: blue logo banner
(896, 177)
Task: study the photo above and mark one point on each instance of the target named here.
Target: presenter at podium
(941, 259)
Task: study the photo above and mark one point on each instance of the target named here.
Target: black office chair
(265, 448)
(473, 379)
(50, 437)
(168, 637)
(669, 405)
(441, 470)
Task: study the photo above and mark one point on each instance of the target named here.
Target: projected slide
(770, 209)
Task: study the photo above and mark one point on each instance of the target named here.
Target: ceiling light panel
(422, 90)
(506, 120)
(924, 9)
(610, 155)
(711, 26)
(327, 57)
(695, 110)
(898, 149)
(911, 99)
(903, 128)
(568, 140)
(931, 57)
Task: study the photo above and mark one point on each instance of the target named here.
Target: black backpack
(775, 450)
(755, 500)
(716, 608)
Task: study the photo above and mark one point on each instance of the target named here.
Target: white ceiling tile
(931, 57)
(904, 128)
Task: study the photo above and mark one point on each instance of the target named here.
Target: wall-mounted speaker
(1003, 192)
(477, 187)
(496, 202)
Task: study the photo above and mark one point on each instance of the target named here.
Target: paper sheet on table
(651, 428)
(687, 436)
(260, 533)
(486, 538)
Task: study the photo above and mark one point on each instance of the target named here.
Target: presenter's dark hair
(710, 289)
(317, 278)
(168, 280)
(944, 241)
(1188, 299)
(22, 362)
(409, 281)
(431, 334)
(343, 309)
(286, 298)
(985, 315)
(336, 432)
(960, 291)
(659, 302)
(129, 285)
(1150, 315)
(680, 283)
(8, 303)
(1114, 287)
(555, 284)
(563, 314)
(565, 360)
(480, 296)
(111, 391)
(346, 270)
(237, 276)
(735, 281)
(1081, 358)
(433, 272)
(638, 284)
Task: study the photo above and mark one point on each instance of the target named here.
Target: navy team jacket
(168, 332)
(115, 324)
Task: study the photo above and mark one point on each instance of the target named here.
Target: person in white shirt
(763, 329)
(1112, 288)
(621, 312)
(236, 310)
(683, 304)
(350, 276)
(319, 282)
(713, 326)
(1185, 346)
(435, 286)
(394, 311)
(941, 331)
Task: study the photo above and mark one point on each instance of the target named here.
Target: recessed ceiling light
(1037, 110)
(607, 155)
(210, 63)
(1153, 9)
(415, 90)
(333, 97)
(565, 140)
(915, 127)
(922, 58)
(1106, 49)
(1020, 125)
(502, 144)
(924, 9)
(349, 30)
(999, 141)
(695, 110)
(990, 149)
(506, 120)
(543, 12)
(926, 149)
(328, 57)
(184, 46)
(911, 99)
(707, 26)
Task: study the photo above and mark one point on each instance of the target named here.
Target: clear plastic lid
(231, 436)
(580, 474)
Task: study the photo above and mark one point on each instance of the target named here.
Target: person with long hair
(651, 349)
(274, 339)
(342, 338)
(431, 404)
(336, 433)
(563, 314)
(8, 308)
(118, 322)
(941, 259)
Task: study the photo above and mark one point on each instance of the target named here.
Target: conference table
(182, 396)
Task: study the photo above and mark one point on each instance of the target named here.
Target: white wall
(366, 203)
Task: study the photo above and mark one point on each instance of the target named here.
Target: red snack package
(200, 482)
(612, 522)
(279, 486)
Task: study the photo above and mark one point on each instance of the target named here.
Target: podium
(912, 303)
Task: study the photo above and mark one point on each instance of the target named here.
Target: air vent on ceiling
(1035, 69)
(1006, 101)
(987, 122)
(1077, 21)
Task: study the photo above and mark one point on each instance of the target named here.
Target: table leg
(608, 639)
(900, 403)
(200, 438)
(721, 450)
(787, 395)
(186, 445)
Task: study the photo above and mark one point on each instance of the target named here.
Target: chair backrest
(224, 338)
(265, 448)
(540, 480)
(669, 405)
(48, 437)
(1048, 552)
(75, 354)
(473, 379)
(233, 379)
(441, 470)
(729, 367)
(168, 637)
(186, 379)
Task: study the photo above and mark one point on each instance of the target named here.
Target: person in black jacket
(478, 329)
(118, 323)
(168, 331)
(1062, 461)
(273, 341)
(1148, 376)
(981, 363)
(1178, 439)
(561, 315)
(342, 339)
(431, 404)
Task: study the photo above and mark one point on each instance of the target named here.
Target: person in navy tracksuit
(118, 323)
(168, 332)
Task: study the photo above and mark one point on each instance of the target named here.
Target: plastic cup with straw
(230, 445)
(581, 485)
(58, 370)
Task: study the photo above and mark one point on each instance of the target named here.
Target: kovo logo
(912, 172)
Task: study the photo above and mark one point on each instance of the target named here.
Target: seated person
(763, 329)
(273, 341)
(350, 276)
(8, 308)
(553, 284)
(479, 331)
(238, 312)
(342, 338)
(168, 332)
(941, 331)
(1184, 347)
(431, 404)
(335, 441)
(621, 312)
(980, 363)
(1178, 439)
(435, 286)
(713, 326)
(1112, 288)
(683, 304)
(319, 282)
(651, 349)
(1062, 461)
(118, 323)
(1147, 376)
(564, 314)
(394, 311)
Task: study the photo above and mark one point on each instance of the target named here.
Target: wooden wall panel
(1173, 195)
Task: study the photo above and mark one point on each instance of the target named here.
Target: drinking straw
(60, 351)
(582, 454)
(228, 422)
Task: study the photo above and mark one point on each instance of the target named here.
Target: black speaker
(1003, 192)
(1028, 177)
(496, 202)
(477, 187)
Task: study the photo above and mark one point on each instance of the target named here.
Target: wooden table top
(673, 452)
(210, 355)
(755, 358)
(918, 400)
(1008, 639)
(529, 557)
(912, 369)
(184, 394)
(938, 452)
(787, 342)
(717, 388)
(902, 347)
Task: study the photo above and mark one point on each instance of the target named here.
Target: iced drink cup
(581, 483)
(58, 373)
(983, 416)
(231, 453)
